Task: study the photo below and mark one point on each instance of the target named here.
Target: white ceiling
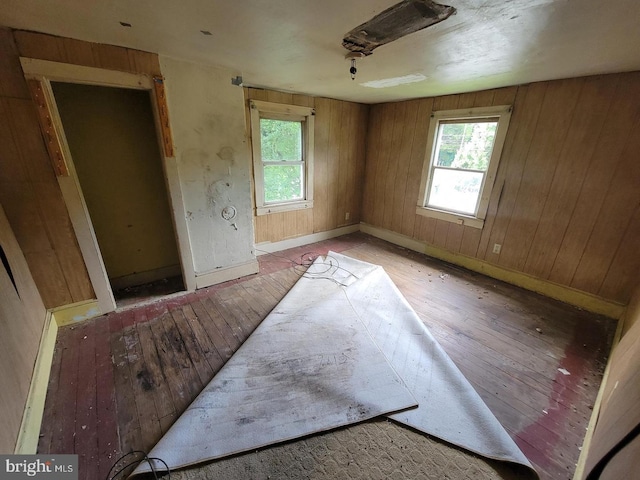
(296, 45)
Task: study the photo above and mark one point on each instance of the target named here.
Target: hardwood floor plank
(226, 330)
(142, 385)
(222, 347)
(154, 376)
(234, 312)
(192, 347)
(128, 422)
(205, 344)
(62, 440)
(86, 435)
(51, 412)
(107, 422)
(169, 366)
(164, 352)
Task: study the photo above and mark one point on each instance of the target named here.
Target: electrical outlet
(497, 247)
(347, 216)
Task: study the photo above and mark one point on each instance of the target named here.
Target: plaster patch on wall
(218, 191)
(214, 162)
(227, 154)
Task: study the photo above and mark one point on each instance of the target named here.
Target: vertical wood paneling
(356, 181)
(40, 45)
(524, 119)
(618, 125)
(564, 204)
(373, 141)
(403, 163)
(333, 162)
(415, 160)
(384, 154)
(622, 276)
(79, 52)
(542, 159)
(344, 161)
(619, 205)
(12, 84)
(393, 163)
(573, 164)
(320, 164)
(31, 195)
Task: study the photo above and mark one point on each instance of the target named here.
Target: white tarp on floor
(310, 366)
(318, 362)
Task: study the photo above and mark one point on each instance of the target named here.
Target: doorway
(115, 150)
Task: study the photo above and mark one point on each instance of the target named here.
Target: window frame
(279, 111)
(503, 115)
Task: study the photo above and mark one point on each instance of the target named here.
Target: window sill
(451, 217)
(283, 207)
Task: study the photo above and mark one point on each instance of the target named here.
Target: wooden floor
(119, 381)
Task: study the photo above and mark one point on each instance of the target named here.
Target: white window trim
(285, 112)
(503, 114)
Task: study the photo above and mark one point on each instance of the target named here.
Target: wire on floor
(301, 266)
(120, 472)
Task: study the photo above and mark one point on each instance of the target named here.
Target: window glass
(466, 145)
(455, 190)
(281, 140)
(283, 183)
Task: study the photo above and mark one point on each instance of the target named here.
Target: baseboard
(225, 274)
(586, 301)
(29, 434)
(75, 312)
(272, 247)
(141, 278)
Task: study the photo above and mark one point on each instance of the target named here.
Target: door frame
(45, 72)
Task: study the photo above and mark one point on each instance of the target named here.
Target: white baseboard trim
(29, 434)
(227, 273)
(563, 293)
(272, 247)
(141, 278)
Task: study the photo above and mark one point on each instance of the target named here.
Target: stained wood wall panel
(617, 127)
(579, 143)
(339, 138)
(78, 52)
(542, 159)
(29, 191)
(565, 201)
(503, 197)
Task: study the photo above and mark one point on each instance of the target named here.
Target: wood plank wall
(340, 136)
(566, 204)
(29, 191)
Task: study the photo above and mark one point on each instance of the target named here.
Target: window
(461, 161)
(282, 141)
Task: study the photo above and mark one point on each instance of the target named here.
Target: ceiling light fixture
(353, 56)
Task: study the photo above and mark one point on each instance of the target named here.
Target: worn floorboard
(118, 382)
